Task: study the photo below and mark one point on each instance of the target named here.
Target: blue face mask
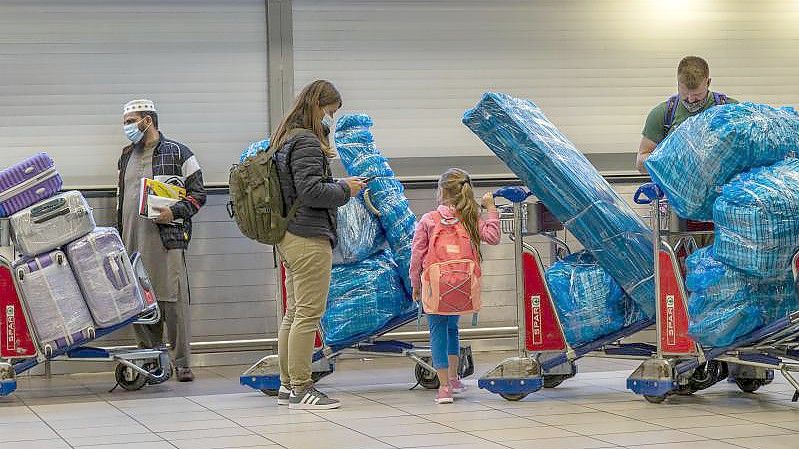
(133, 133)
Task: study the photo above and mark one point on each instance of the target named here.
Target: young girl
(457, 215)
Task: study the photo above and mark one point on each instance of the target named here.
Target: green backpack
(256, 200)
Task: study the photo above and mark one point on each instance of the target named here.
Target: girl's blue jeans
(443, 338)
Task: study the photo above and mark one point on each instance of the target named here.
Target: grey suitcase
(52, 223)
(106, 277)
(57, 311)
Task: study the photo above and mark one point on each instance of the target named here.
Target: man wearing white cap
(163, 240)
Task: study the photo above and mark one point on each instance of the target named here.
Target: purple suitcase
(28, 182)
(58, 314)
(106, 277)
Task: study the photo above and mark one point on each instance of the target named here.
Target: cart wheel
(748, 385)
(557, 379)
(128, 379)
(654, 399)
(269, 392)
(160, 376)
(426, 378)
(513, 397)
(554, 381)
(316, 376)
(708, 375)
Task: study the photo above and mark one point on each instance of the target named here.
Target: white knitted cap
(139, 106)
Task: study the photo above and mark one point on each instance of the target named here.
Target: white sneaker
(312, 399)
(283, 395)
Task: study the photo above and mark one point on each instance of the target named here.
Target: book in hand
(156, 194)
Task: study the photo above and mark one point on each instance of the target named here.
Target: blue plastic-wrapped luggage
(359, 233)
(757, 220)
(590, 303)
(725, 304)
(708, 149)
(780, 296)
(364, 297)
(253, 148)
(519, 133)
(360, 157)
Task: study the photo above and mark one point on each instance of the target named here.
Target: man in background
(692, 98)
(162, 241)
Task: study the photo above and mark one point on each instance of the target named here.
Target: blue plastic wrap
(570, 187)
(359, 233)
(757, 220)
(708, 149)
(590, 303)
(364, 297)
(725, 304)
(253, 148)
(360, 157)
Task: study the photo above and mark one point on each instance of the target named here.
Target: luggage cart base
(513, 378)
(265, 374)
(749, 378)
(135, 368)
(653, 379)
(8, 381)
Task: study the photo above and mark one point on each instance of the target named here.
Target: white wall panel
(69, 66)
(595, 67)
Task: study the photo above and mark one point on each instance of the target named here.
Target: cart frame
(135, 367)
(264, 375)
(544, 358)
(680, 365)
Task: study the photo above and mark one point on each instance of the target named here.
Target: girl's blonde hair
(455, 189)
(307, 113)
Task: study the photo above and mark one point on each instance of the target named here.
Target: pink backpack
(451, 276)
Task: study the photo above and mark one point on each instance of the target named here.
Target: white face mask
(694, 107)
(328, 121)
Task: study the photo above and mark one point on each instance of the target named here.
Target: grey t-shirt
(140, 234)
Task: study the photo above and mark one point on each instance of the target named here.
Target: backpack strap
(671, 112)
(436, 216)
(438, 223)
(270, 155)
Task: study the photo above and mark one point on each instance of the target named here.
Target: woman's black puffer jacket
(305, 175)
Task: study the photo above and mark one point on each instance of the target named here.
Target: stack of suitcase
(74, 277)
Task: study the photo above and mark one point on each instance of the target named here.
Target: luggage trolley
(265, 374)
(681, 366)
(21, 350)
(545, 359)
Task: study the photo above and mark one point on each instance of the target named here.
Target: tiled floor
(592, 410)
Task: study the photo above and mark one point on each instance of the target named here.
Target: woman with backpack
(312, 195)
(445, 269)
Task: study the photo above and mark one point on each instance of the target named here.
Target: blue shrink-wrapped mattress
(360, 157)
(708, 149)
(757, 220)
(590, 303)
(254, 148)
(519, 133)
(359, 233)
(364, 297)
(725, 304)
